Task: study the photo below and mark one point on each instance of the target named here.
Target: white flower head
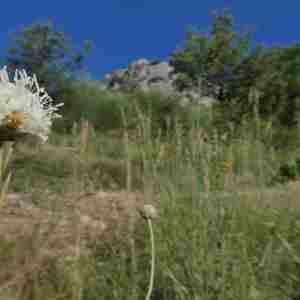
(24, 106)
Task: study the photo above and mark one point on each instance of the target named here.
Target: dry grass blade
(4, 189)
(289, 248)
(84, 135)
(5, 156)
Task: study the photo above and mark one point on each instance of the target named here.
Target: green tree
(212, 57)
(226, 59)
(45, 51)
(275, 73)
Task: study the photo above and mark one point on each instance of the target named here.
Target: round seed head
(148, 211)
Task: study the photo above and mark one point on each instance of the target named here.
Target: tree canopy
(227, 59)
(45, 51)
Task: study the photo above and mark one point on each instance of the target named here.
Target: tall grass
(221, 233)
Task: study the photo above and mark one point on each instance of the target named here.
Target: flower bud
(148, 211)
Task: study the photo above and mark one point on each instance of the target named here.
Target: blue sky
(124, 30)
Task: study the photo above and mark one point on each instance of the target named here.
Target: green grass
(218, 235)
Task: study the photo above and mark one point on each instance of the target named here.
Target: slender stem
(150, 288)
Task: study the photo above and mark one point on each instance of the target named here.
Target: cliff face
(155, 75)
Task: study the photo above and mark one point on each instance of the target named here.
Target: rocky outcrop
(155, 75)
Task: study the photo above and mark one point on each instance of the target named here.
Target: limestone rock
(155, 75)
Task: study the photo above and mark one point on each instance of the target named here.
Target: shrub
(85, 100)
(160, 110)
(108, 110)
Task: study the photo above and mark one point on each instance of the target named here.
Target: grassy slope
(221, 234)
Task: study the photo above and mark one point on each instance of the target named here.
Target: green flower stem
(151, 281)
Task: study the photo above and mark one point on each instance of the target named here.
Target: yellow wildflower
(227, 166)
